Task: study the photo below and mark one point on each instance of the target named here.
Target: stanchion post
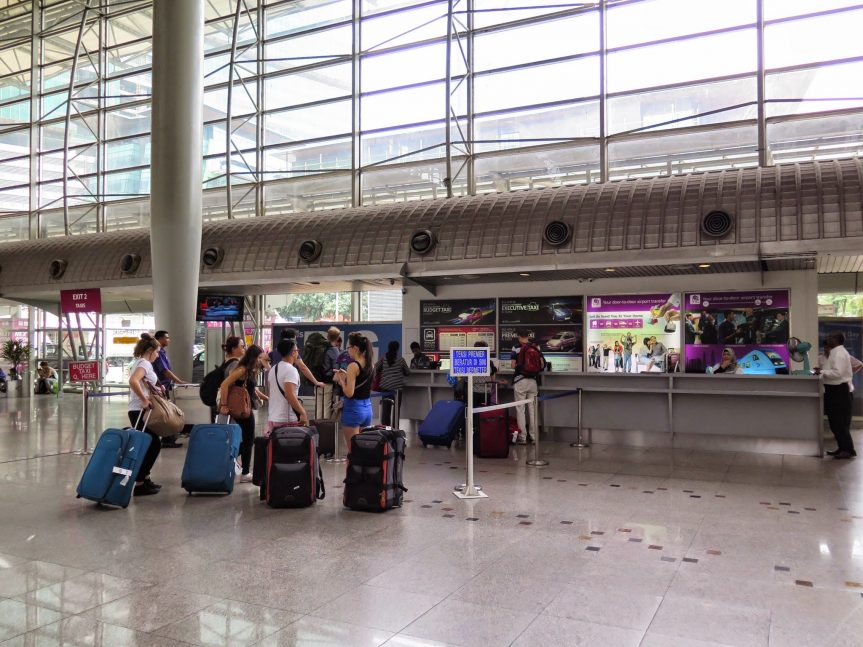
(537, 461)
(580, 444)
(470, 489)
(85, 422)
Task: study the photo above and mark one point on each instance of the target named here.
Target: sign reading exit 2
(81, 301)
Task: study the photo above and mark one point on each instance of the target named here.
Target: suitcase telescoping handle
(227, 419)
(146, 418)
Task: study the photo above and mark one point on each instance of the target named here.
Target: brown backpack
(239, 403)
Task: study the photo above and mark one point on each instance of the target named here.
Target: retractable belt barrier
(87, 394)
(536, 461)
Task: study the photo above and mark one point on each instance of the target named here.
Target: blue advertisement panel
(852, 328)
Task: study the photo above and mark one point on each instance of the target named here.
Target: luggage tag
(127, 474)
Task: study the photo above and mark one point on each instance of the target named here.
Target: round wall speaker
(422, 242)
(130, 263)
(717, 224)
(556, 233)
(310, 251)
(57, 268)
(212, 256)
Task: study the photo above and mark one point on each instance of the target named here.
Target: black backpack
(314, 351)
(210, 386)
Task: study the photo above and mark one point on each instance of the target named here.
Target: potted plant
(17, 353)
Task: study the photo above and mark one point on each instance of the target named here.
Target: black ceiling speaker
(556, 233)
(57, 268)
(212, 256)
(422, 241)
(717, 224)
(310, 251)
(130, 263)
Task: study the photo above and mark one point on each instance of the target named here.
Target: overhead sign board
(81, 301)
(83, 371)
(126, 340)
(473, 360)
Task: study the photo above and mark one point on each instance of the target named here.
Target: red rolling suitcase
(491, 434)
(491, 431)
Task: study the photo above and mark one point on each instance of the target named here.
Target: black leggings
(247, 426)
(155, 445)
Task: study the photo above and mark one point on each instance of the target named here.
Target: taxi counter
(754, 413)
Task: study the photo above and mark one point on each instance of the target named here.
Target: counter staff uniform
(836, 373)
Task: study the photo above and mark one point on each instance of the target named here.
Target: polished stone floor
(605, 546)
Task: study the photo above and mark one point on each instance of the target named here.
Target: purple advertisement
(737, 332)
(633, 333)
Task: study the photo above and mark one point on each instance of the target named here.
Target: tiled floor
(606, 546)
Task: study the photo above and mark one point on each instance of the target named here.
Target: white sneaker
(514, 439)
(238, 468)
(521, 441)
(246, 478)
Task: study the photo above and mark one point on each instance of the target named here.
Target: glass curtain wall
(320, 104)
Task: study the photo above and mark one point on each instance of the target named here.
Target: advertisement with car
(555, 323)
(457, 323)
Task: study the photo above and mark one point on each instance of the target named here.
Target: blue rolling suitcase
(109, 477)
(443, 423)
(209, 465)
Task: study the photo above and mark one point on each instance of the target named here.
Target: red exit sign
(83, 371)
(81, 300)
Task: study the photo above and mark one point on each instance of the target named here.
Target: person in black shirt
(728, 329)
(707, 326)
(419, 361)
(779, 333)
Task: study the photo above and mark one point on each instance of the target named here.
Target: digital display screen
(220, 308)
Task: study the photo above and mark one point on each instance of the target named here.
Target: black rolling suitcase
(291, 476)
(373, 481)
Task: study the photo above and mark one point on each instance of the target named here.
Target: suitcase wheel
(425, 445)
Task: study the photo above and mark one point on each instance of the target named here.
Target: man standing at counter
(419, 360)
(528, 363)
(837, 373)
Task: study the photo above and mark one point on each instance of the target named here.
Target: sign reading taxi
(89, 300)
(83, 371)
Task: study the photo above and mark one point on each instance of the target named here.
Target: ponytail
(361, 343)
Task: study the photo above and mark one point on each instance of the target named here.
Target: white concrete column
(175, 190)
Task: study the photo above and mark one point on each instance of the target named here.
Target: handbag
(166, 418)
(239, 402)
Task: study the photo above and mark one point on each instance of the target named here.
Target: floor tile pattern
(605, 546)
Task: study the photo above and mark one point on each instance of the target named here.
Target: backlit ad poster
(753, 326)
(556, 324)
(633, 333)
(457, 323)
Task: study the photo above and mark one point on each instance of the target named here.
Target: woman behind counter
(728, 365)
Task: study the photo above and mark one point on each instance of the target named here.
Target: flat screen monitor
(220, 308)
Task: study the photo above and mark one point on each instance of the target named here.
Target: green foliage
(317, 306)
(15, 352)
(844, 305)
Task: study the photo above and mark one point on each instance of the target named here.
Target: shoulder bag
(166, 418)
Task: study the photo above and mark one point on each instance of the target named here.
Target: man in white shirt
(836, 373)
